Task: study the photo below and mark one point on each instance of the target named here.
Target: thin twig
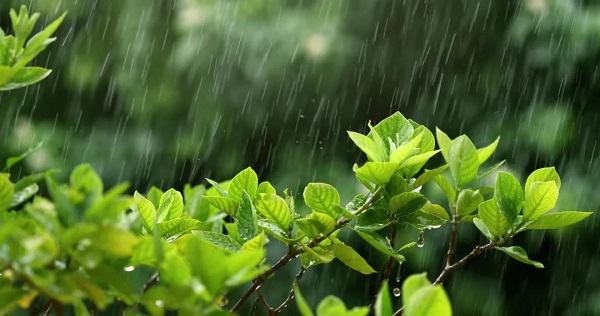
(452, 243)
(449, 269)
(291, 294)
(293, 253)
(388, 267)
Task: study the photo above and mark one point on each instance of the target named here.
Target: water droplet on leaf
(396, 292)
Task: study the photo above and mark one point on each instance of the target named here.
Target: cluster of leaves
(82, 249)
(16, 51)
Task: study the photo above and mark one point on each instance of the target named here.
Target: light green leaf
(519, 254)
(486, 152)
(366, 144)
(395, 127)
(558, 219)
(154, 195)
(430, 216)
(429, 300)
(427, 176)
(446, 187)
(24, 77)
(539, 199)
(468, 201)
(266, 187)
(413, 164)
(350, 258)
(175, 209)
(221, 240)
(381, 244)
(490, 214)
(444, 143)
(178, 226)
(218, 186)
(543, 175)
(315, 224)
(301, 302)
(482, 228)
(22, 195)
(400, 154)
(320, 197)
(376, 172)
(331, 305)
(274, 209)
(256, 243)
(489, 170)
(6, 191)
(225, 204)
(463, 160)
(246, 218)
(412, 284)
(383, 302)
(13, 160)
(406, 203)
(246, 180)
(146, 210)
(324, 255)
(509, 196)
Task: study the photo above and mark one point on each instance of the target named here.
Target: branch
(291, 295)
(452, 243)
(293, 253)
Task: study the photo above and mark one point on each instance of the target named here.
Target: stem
(293, 253)
(388, 267)
(452, 243)
(291, 294)
(153, 280)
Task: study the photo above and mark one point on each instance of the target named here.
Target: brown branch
(293, 253)
(452, 243)
(291, 294)
(152, 281)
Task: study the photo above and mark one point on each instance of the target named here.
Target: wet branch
(452, 243)
(295, 252)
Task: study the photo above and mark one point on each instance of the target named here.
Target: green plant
(85, 250)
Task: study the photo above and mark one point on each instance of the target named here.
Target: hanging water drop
(421, 240)
(398, 273)
(396, 292)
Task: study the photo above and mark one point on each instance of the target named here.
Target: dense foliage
(151, 92)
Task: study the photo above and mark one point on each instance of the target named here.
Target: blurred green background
(168, 92)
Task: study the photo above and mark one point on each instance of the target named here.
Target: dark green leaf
(509, 196)
(406, 203)
(558, 219)
(246, 218)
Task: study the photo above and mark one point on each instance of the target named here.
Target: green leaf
(178, 226)
(366, 144)
(397, 185)
(320, 197)
(6, 191)
(444, 143)
(24, 77)
(406, 150)
(350, 258)
(463, 160)
(558, 219)
(33, 178)
(430, 216)
(22, 195)
(539, 199)
(509, 196)
(486, 152)
(543, 175)
(9, 299)
(65, 209)
(13, 160)
(221, 240)
(154, 195)
(376, 172)
(519, 254)
(412, 284)
(395, 127)
(429, 300)
(301, 302)
(331, 305)
(175, 210)
(494, 220)
(383, 302)
(256, 243)
(468, 201)
(427, 176)
(372, 220)
(266, 187)
(413, 164)
(489, 170)
(274, 209)
(323, 255)
(446, 187)
(224, 204)
(246, 180)
(315, 224)
(246, 218)
(146, 210)
(381, 244)
(217, 186)
(406, 203)
(482, 228)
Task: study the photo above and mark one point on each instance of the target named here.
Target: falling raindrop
(421, 240)
(396, 292)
